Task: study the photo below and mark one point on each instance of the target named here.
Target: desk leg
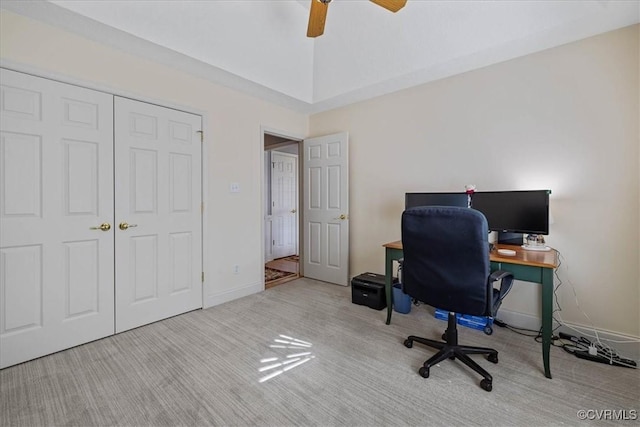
(547, 317)
(388, 274)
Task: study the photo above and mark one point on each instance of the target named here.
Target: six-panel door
(158, 199)
(326, 208)
(61, 237)
(284, 192)
(56, 265)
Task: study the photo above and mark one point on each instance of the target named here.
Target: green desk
(529, 266)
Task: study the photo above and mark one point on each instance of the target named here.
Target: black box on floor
(368, 289)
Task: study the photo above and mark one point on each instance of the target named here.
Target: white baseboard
(222, 297)
(626, 345)
(520, 320)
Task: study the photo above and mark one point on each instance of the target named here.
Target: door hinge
(201, 135)
(203, 277)
(201, 207)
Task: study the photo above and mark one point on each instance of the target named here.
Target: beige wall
(564, 119)
(233, 136)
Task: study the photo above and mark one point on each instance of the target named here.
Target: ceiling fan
(318, 14)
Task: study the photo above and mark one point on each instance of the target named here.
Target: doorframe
(114, 91)
(293, 137)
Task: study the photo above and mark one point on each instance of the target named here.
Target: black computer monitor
(412, 200)
(525, 212)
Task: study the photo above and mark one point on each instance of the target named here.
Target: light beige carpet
(206, 368)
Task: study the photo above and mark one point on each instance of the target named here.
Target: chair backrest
(446, 258)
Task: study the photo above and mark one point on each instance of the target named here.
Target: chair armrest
(506, 281)
(499, 275)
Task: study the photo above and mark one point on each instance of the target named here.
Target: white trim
(204, 188)
(293, 137)
(521, 320)
(627, 345)
(279, 133)
(111, 37)
(100, 87)
(608, 19)
(225, 296)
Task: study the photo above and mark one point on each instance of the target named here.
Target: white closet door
(158, 194)
(56, 171)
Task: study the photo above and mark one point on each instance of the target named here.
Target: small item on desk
(469, 189)
(506, 252)
(535, 242)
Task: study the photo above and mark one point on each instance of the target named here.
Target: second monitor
(412, 200)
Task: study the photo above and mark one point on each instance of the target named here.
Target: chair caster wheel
(424, 372)
(408, 343)
(493, 358)
(486, 385)
(488, 330)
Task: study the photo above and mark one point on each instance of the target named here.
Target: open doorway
(282, 211)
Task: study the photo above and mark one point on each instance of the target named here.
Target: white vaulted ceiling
(260, 46)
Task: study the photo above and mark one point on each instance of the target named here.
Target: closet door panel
(158, 197)
(56, 189)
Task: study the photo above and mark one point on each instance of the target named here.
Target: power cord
(585, 349)
(527, 332)
(598, 349)
(579, 346)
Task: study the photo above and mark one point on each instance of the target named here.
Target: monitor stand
(505, 238)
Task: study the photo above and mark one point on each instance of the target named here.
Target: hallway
(281, 270)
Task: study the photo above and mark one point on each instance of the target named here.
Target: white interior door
(284, 200)
(158, 213)
(326, 208)
(56, 266)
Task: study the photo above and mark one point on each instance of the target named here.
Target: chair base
(452, 350)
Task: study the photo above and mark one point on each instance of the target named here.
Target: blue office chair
(446, 265)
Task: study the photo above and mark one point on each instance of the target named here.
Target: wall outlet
(236, 269)
(234, 187)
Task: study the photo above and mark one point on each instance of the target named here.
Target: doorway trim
(293, 137)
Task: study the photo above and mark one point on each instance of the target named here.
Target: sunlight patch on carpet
(274, 366)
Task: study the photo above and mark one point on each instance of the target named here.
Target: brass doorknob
(343, 216)
(123, 226)
(105, 226)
